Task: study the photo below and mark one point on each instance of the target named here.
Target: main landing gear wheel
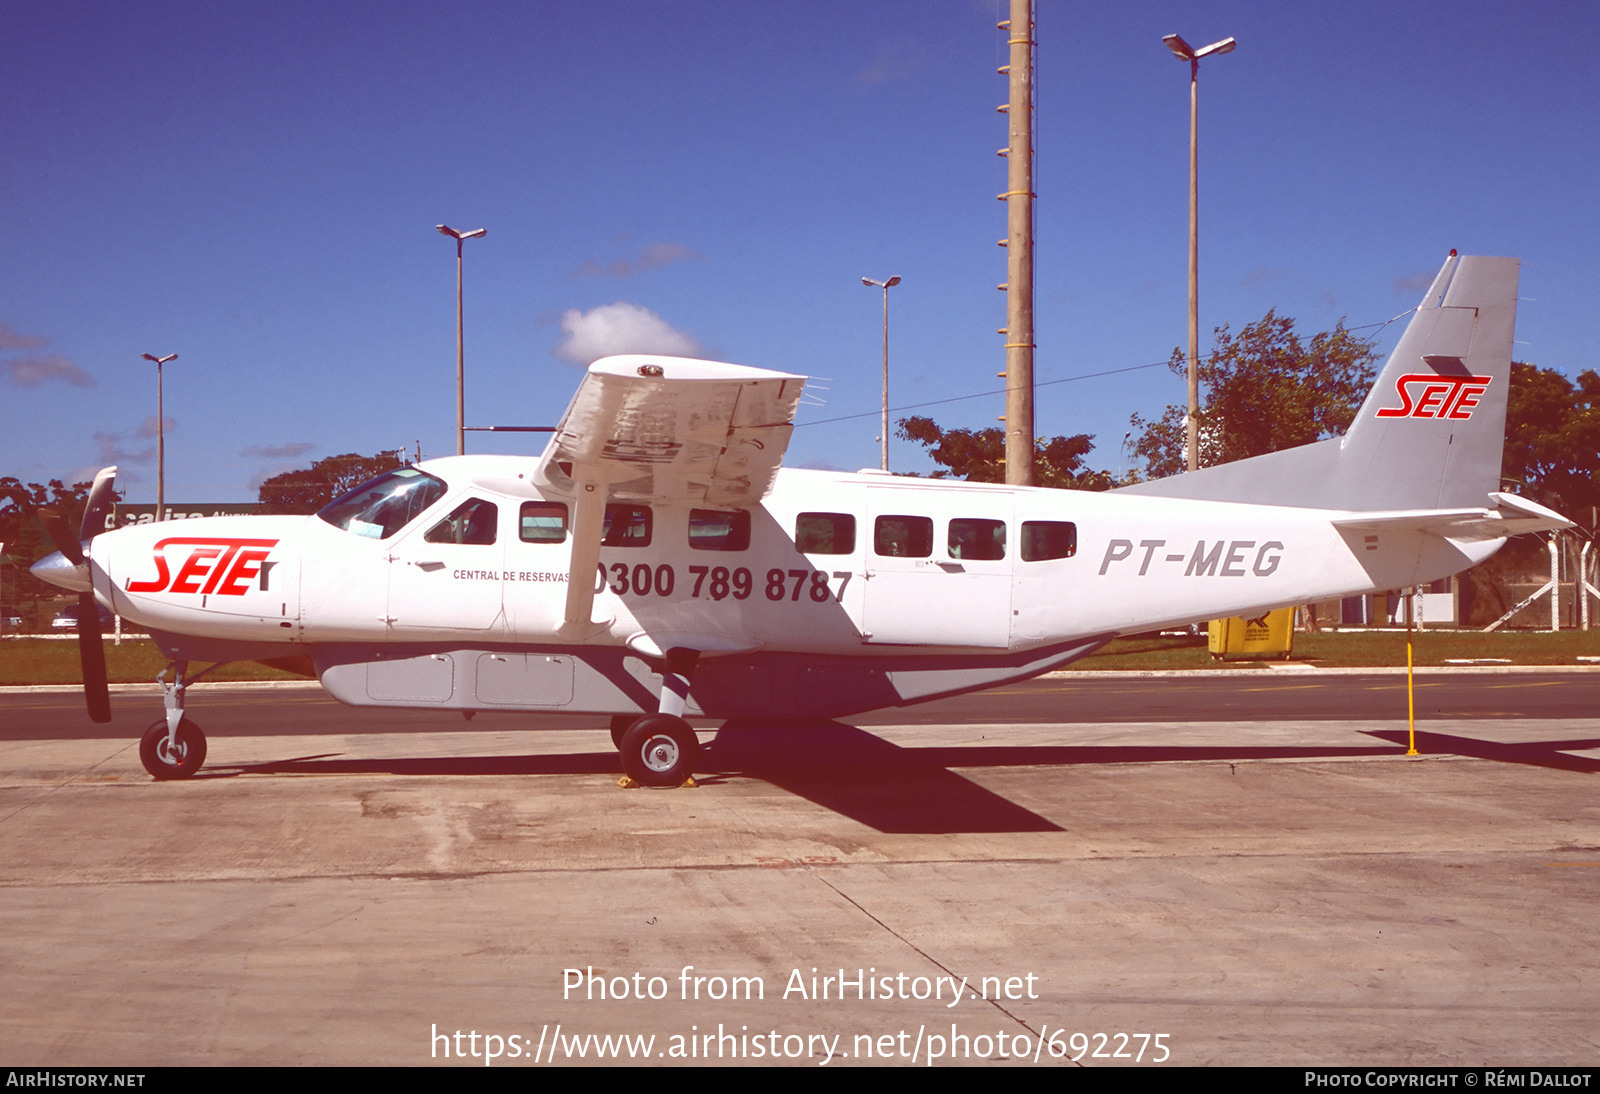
(620, 724)
(660, 750)
(178, 762)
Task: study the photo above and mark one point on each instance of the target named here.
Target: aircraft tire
(660, 750)
(162, 764)
(620, 724)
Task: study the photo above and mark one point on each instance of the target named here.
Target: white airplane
(655, 562)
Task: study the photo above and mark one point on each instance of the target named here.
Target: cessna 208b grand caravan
(655, 562)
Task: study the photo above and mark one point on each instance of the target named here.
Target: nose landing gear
(173, 747)
(168, 755)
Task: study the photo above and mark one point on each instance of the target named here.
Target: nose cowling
(58, 570)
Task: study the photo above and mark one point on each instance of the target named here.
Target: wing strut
(588, 524)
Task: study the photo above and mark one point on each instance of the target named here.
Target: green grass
(38, 661)
(136, 661)
(1363, 649)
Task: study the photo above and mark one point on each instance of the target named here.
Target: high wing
(668, 431)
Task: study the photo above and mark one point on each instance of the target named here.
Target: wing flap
(672, 430)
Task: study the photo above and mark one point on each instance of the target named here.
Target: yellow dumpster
(1270, 633)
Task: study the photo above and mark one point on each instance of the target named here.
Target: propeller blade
(91, 648)
(102, 496)
(92, 656)
(55, 526)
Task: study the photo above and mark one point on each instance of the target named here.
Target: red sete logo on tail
(1429, 395)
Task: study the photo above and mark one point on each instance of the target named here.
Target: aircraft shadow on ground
(1552, 754)
(895, 789)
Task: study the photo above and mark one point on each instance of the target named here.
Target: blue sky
(254, 187)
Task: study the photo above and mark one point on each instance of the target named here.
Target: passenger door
(937, 580)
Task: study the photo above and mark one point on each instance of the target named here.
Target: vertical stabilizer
(1431, 432)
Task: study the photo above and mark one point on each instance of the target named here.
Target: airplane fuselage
(921, 582)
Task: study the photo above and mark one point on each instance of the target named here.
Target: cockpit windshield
(380, 508)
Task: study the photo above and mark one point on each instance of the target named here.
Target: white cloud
(277, 451)
(620, 328)
(147, 428)
(895, 61)
(260, 477)
(652, 257)
(33, 371)
(122, 448)
(127, 448)
(1261, 275)
(11, 338)
(1410, 286)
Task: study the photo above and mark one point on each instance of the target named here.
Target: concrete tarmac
(1290, 890)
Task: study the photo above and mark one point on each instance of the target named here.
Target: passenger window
(627, 526)
(716, 530)
(903, 537)
(825, 533)
(1047, 539)
(543, 522)
(977, 539)
(473, 521)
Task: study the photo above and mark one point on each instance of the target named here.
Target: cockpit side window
(380, 508)
(471, 522)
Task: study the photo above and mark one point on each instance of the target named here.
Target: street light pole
(161, 436)
(883, 441)
(1184, 52)
(461, 361)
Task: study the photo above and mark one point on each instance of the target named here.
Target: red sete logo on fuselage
(1429, 395)
(214, 564)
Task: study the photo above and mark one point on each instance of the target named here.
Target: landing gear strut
(173, 747)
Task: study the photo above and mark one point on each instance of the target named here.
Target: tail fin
(1431, 432)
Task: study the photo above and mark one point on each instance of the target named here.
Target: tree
(1262, 390)
(308, 489)
(979, 455)
(1552, 452)
(24, 538)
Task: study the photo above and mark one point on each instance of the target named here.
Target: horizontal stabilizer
(1511, 516)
